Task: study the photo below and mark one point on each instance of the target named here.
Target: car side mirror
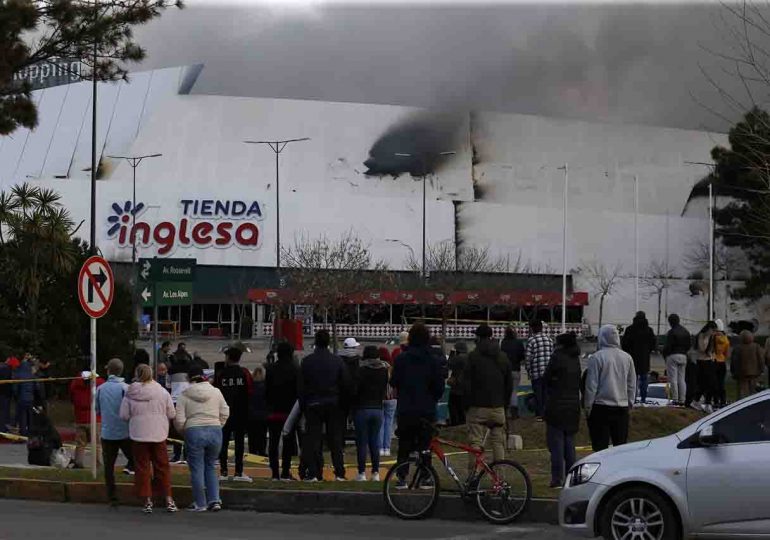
(707, 437)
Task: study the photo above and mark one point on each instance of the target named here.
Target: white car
(657, 396)
(710, 480)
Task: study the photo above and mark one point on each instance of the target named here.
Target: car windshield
(657, 392)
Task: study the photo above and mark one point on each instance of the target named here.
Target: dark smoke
(424, 137)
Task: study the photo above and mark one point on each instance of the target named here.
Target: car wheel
(639, 513)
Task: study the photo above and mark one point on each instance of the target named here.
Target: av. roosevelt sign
(199, 223)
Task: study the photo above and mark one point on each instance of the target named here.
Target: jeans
(235, 429)
(203, 445)
(368, 423)
(274, 428)
(642, 381)
(691, 378)
(676, 365)
(607, 423)
(478, 418)
(561, 445)
(720, 393)
(538, 387)
(110, 449)
(388, 415)
(23, 409)
(414, 435)
(316, 418)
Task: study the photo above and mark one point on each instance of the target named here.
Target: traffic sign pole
(94, 434)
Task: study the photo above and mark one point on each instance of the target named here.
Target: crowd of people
(18, 399)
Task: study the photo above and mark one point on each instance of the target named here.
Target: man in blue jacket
(418, 378)
(24, 393)
(115, 436)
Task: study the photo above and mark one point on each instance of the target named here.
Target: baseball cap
(351, 343)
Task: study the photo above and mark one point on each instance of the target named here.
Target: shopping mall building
(499, 185)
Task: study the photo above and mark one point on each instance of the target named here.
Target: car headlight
(582, 473)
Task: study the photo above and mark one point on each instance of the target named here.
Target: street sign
(155, 270)
(172, 293)
(96, 287)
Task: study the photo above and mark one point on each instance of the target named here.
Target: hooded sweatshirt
(148, 409)
(488, 377)
(610, 376)
(747, 359)
(201, 405)
(371, 383)
(418, 379)
(639, 341)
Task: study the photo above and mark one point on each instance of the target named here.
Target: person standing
(747, 364)
(678, 343)
(562, 405)
(80, 396)
(371, 385)
(115, 438)
(516, 353)
(201, 411)
(706, 368)
(323, 380)
(148, 408)
(539, 351)
(24, 393)
(488, 387)
(639, 341)
(457, 362)
(281, 383)
(388, 407)
(6, 396)
(162, 376)
(351, 357)
(721, 353)
(419, 382)
(236, 385)
(403, 343)
(438, 353)
(257, 428)
(610, 391)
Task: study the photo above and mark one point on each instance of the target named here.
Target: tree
(657, 277)
(604, 280)
(451, 269)
(327, 273)
(40, 31)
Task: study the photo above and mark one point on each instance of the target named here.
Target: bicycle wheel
(411, 490)
(504, 495)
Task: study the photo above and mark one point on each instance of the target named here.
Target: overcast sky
(604, 61)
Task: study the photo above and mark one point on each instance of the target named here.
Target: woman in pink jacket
(147, 407)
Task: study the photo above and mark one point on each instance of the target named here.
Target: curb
(449, 507)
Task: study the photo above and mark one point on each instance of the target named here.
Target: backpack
(43, 439)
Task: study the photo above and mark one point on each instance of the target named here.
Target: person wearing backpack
(489, 384)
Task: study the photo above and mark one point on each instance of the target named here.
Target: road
(24, 520)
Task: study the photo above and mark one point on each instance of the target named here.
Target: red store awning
(479, 297)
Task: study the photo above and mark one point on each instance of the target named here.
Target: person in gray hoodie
(610, 391)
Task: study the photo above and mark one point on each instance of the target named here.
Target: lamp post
(277, 147)
(423, 170)
(564, 252)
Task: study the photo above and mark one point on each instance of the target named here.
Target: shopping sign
(200, 223)
(96, 287)
(166, 282)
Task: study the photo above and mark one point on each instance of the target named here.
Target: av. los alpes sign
(199, 223)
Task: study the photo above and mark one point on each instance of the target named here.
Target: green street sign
(156, 270)
(173, 293)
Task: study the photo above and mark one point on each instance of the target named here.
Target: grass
(645, 424)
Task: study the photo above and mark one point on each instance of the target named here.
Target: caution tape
(50, 379)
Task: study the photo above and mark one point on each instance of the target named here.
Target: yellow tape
(51, 379)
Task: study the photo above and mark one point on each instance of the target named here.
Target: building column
(260, 320)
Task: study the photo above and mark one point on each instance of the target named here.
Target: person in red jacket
(80, 396)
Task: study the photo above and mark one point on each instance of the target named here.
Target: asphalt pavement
(24, 520)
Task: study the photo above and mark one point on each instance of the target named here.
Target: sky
(603, 61)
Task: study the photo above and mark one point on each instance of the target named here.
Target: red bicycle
(502, 489)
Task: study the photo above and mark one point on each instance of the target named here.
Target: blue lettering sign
(254, 209)
(238, 208)
(206, 207)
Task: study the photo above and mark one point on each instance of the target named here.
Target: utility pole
(636, 242)
(564, 252)
(94, 435)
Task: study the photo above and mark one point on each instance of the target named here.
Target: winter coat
(237, 387)
(147, 408)
(418, 379)
(562, 384)
(639, 341)
(201, 405)
(610, 376)
(371, 384)
(257, 402)
(323, 379)
(705, 346)
(109, 396)
(721, 347)
(281, 381)
(678, 341)
(747, 361)
(488, 377)
(80, 396)
(24, 392)
(438, 354)
(6, 374)
(457, 363)
(515, 351)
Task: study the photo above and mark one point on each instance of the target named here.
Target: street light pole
(424, 171)
(564, 253)
(94, 457)
(277, 147)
